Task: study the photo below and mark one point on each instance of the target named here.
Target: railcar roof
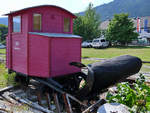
(56, 35)
(13, 12)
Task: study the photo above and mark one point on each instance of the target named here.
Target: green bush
(136, 98)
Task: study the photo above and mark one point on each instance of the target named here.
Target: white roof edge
(56, 35)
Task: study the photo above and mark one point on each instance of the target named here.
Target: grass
(5, 78)
(2, 51)
(141, 52)
(144, 69)
(84, 61)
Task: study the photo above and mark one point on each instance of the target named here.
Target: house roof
(17, 11)
(55, 35)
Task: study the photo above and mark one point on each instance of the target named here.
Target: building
(142, 25)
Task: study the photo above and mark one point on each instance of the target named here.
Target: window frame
(33, 22)
(69, 24)
(20, 24)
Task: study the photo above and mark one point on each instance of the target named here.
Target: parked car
(2, 46)
(100, 43)
(87, 43)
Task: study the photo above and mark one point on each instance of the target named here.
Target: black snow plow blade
(103, 74)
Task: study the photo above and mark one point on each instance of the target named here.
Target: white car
(100, 43)
(2, 46)
(87, 43)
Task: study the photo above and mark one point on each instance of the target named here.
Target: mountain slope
(135, 8)
(4, 21)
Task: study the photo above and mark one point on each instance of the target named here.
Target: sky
(73, 6)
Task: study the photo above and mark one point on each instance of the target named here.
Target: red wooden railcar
(40, 42)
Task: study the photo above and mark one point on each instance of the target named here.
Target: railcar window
(37, 22)
(17, 24)
(66, 25)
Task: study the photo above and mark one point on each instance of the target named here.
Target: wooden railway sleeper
(31, 104)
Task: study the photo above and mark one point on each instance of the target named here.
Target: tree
(87, 25)
(121, 29)
(3, 33)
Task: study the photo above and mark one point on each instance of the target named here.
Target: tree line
(87, 25)
(3, 33)
(120, 29)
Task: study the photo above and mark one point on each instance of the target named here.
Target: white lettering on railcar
(16, 45)
(16, 48)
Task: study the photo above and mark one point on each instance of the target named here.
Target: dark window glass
(17, 24)
(96, 41)
(102, 40)
(37, 22)
(66, 25)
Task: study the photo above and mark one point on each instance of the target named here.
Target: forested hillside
(135, 8)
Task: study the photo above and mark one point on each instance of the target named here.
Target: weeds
(136, 98)
(5, 78)
(19, 108)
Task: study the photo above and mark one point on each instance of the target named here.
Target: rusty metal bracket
(67, 103)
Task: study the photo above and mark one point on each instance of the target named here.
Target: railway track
(19, 95)
(38, 102)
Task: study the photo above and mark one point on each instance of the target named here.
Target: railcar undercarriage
(74, 92)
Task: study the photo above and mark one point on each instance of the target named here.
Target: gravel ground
(6, 107)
